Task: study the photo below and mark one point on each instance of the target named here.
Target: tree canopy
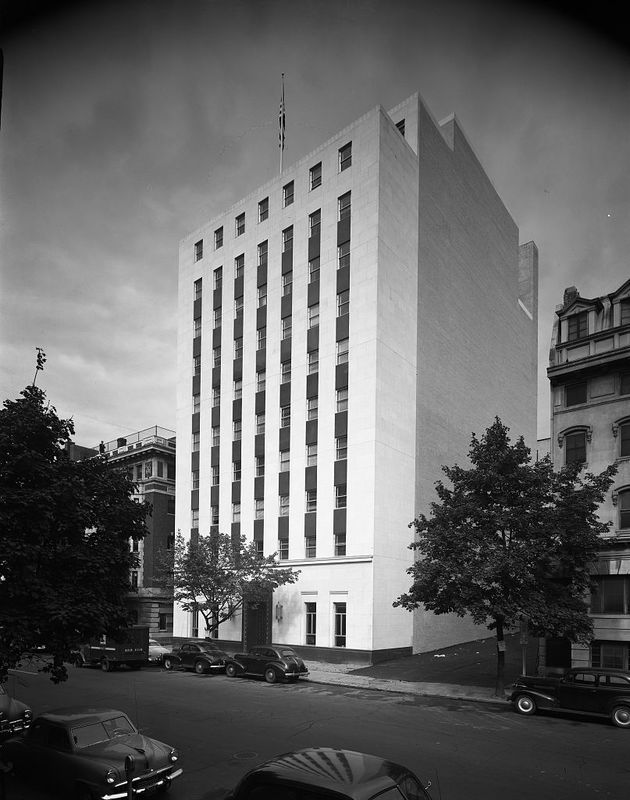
(510, 540)
(65, 559)
(215, 574)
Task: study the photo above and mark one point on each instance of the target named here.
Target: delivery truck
(131, 649)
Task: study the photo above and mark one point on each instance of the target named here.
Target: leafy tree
(64, 550)
(215, 574)
(510, 540)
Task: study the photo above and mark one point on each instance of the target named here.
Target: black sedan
(199, 655)
(90, 754)
(324, 772)
(14, 715)
(275, 662)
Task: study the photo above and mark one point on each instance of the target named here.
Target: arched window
(621, 431)
(574, 442)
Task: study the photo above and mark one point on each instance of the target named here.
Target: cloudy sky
(126, 125)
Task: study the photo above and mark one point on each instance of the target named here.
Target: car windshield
(87, 735)
(286, 651)
(212, 648)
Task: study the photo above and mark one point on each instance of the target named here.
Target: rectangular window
(313, 270)
(162, 622)
(218, 238)
(218, 278)
(216, 356)
(194, 479)
(344, 206)
(262, 295)
(341, 398)
(340, 624)
(263, 249)
(214, 515)
(624, 440)
(197, 365)
(623, 501)
(343, 346)
(238, 389)
(311, 454)
(263, 209)
(195, 442)
(199, 250)
(343, 303)
(238, 307)
(239, 225)
(340, 544)
(283, 549)
(196, 327)
(311, 500)
(238, 347)
(239, 265)
(236, 512)
(216, 396)
(261, 338)
(341, 447)
(259, 508)
(610, 594)
(196, 403)
(624, 312)
(134, 580)
(237, 429)
(260, 466)
(313, 315)
(194, 518)
(343, 255)
(236, 470)
(287, 283)
(311, 622)
(314, 223)
(287, 239)
(340, 496)
(214, 475)
(624, 383)
(285, 416)
(286, 327)
(578, 326)
(260, 423)
(217, 317)
(575, 394)
(345, 156)
(313, 361)
(283, 510)
(312, 408)
(261, 380)
(575, 448)
(285, 375)
(287, 194)
(315, 176)
(310, 546)
(285, 460)
(216, 435)
(610, 655)
(197, 289)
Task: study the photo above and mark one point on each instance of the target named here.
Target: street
(223, 727)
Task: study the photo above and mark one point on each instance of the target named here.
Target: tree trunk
(499, 690)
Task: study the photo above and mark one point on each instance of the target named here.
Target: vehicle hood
(10, 708)
(146, 752)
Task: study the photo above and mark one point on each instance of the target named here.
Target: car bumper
(296, 674)
(10, 728)
(142, 785)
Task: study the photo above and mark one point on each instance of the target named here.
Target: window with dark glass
(197, 288)
(340, 496)
(260, 466)
(259, 508)
(340, 624)
(343, 255)
(345, 156)
(285, 416)
(285, 373)
(575, 447)
(218, 277)
(624, 315)
(287, 283)
(343, 303)
(218, 238)
(313, 362)
(344, 206)
(239, 265)
(214, 475)
(311, 500)
(310, 546)
(261, 338)
(315, 176)
(575, 394)
(197, 327)
(314, 223)
(311, 454)
(311, 622)
(624, 439)
(260, 423)
(610, 594)
(283, 510)
(611, 655)
(238, 306)
(196, 403)
(285, 460)
(340, 544)
(262, 295)
(312, 408)
(287, 194)
(214, 515)
(313, 270)
(238, 347)
(263, 252)
(341, 447)
(286, 327)
(238, 388)
(239, 225)
(341, 397)
(236, 470)
(194, 479)
(578, 325)
(624, 383)
(263, 209)
(197, 365)
(218, 317)
(237, 429)
(313, 315)
(623, 504)
(287, 239)
(216, 396)
(261, 379)
(216, 356)
(283, 549)
(216, 435)
(199, 250)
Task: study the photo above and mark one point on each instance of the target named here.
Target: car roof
(601, 671)
(358, 775)
(79, 715)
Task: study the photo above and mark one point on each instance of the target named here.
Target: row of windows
(575, 442)
(310, 505)
(288, 196)
(341, 450)
(577, 393)
(577, 324)
(339, 624)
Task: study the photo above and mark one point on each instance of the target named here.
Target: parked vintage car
(81, 752)
(201, 655)
(275, 662)
(157, 651)
(329, 773)
(605, 692)
(14, 715)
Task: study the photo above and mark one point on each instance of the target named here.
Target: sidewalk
(464, 672)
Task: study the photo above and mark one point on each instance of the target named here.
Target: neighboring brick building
(589, 372)
(149, 458)
(342, 332)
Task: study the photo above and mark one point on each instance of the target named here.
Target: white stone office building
(342, 332)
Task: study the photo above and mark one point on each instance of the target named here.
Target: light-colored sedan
(157, 651)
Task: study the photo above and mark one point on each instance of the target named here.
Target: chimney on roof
(570, 294)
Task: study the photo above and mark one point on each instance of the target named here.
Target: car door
(257, 660)
(187, 655)
(579, 692)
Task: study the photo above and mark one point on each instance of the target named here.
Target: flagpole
(281, 124)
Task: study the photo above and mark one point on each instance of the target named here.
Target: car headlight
(173, 756)
(28, 714)
(112, 776)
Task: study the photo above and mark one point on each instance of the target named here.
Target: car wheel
(231, 671)
(525, 705)
(200, 667)
(168, 664)
(271, 676)
(106, 666)
(621, 716)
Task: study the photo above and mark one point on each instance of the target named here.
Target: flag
(281, 118)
